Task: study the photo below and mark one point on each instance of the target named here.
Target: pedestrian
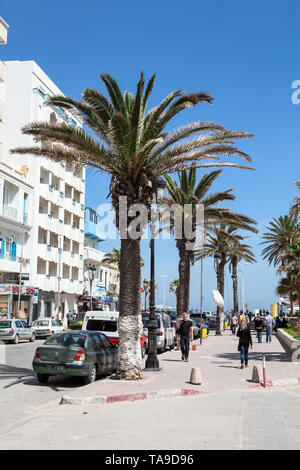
(258, 324)
(242, 321)
(185, 330)
(234, 321)
(244, 342)
(269, 322)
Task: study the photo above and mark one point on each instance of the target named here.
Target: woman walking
(244, 342)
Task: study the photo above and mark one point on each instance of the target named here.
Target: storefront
(12, 296)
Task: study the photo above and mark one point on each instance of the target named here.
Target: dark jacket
(245, 337)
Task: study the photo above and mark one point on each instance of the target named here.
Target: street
(225, 419)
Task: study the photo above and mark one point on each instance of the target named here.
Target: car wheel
(16, 340)
(42, 378)
(32, 338)
(172, 346)
(91, 377)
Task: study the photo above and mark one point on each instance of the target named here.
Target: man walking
(269, 322)
(258, 327)
(185, 330)
(234, 320)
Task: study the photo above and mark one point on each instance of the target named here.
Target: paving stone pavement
(219, 363)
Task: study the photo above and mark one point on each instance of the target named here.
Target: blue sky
(245, 55)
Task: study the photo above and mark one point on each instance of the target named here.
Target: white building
(106, 282)
(49, 195)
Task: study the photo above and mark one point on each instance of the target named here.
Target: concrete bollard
(257, 374)
(195, 376)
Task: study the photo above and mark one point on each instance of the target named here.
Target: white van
(165, 330)
(107, 323)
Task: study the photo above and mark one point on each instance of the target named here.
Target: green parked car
(78, 353)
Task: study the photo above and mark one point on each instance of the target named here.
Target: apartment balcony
(94, 256)
(12, 264)
(47, 222)
(10, 212)
(50, 193)
(47, 252)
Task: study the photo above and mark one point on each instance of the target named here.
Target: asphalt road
(241, 419)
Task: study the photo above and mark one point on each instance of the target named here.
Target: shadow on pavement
(18, 375)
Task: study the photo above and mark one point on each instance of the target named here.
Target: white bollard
(196, 376)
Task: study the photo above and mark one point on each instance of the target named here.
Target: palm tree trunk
(130, 364)
(220, 277)
(235, 287)
(183, 290)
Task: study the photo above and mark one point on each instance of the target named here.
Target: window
(97, 343)
(106, 343)
(102, 325)
(19, 324)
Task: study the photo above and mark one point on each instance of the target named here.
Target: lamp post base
(152, 365)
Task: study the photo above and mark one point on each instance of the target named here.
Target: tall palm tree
(223, 242)
(281, 232)
(189, 192)
(147, 289)
(133, 147)
(239, 251)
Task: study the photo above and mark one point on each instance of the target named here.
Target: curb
(277, 383)
(69, 400)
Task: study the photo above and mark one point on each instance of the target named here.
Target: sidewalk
(219, 362)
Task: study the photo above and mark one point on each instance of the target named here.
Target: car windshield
(41, 323)
(145, 320)
(67, 339)
(102, 325)
(5, 324)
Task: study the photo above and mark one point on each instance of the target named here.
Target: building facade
(106, 283)
(42, 201)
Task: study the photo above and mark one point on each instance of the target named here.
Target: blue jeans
(259, 335)
(269, 333)
(244, 355)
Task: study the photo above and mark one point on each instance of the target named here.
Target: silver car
(165, 330)
(16, 330)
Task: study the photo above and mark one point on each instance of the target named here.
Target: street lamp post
(152, 363)
(217, 259)
(91, 270)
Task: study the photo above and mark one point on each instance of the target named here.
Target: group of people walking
(244, 332)
(240, 326)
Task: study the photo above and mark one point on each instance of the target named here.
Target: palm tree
(192, 193)
(281, 233)
(239, 252)
(114, 257)
(147, 289)
(132, 146)
(173, 286)
(223, 243)
(289, 285)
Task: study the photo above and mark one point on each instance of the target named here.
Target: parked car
(82, 353)
(107, 323)
(165, 330)
(196, 329)
(46, 327)
(197, 318)
(212, 322)
(13, 330)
